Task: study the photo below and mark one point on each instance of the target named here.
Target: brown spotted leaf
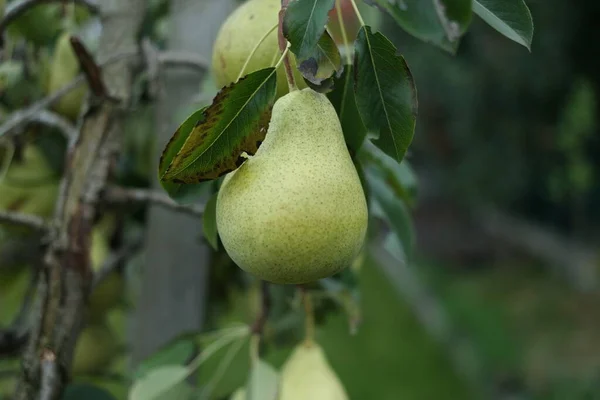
(322, 65)
(236, 122)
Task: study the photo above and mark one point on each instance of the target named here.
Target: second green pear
(295, 212)
(239, 34)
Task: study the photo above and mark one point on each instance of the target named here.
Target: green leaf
(236, 122)
(385, 93)
(400, 177)
(320, 67)
(342, 98)
(441, 22)
(209, 222)
(178, 191)
(263, 383)
(177, 353)
(511, 18)
(86, 391)
(163, 383)
(304, 23)
(397, 214)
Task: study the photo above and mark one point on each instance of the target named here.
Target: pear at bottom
(306, 375)
(295, 212)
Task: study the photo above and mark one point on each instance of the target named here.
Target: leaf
(86, 391)
(342, 98)
(178, 191)
(263, 383)
(385, 92)
(397, 214)
(511, 18)
(400, 177)
(163, 383)
(441, 22)
(177, 353)
(236, 122)
(209, 222)
(323, 64)
(304, 23)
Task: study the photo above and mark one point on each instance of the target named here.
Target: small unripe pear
(96, 346)
(307, 375)
(64, 68)
(239, 34)
(295, 212)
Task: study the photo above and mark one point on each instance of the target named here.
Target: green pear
(64, 68)
(96, 347)
(296, 211)
(306, 375)
(240, 33)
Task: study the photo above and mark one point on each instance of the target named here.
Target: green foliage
(325, 62)
(511, 18)
(304, 23)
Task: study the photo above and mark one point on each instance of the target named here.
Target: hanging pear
(64, 68)
(240, 33)
(295, 212)
(307, 375)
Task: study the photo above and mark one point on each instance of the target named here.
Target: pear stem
(283, 47)
(357, 12)
(254, 348)
(338, 11)
(256, 46)
(309, 316)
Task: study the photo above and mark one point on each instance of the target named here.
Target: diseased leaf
(511, 18)
(325, 62)
(342, 98)
(236, 122)
(440, 22)
(179, 191)
(385, 93)
(304, 23)
(209, 222)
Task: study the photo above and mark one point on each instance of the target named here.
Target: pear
(306, 375)
(96, 347)
(240, 33)
(295, 212)
(63, 69)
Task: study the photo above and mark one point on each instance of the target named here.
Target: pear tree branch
(116, 195)
(25, 220)
(283, 43)
(258, 326)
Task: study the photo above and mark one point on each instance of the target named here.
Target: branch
(25, 220)
(54, 120)
(90, 69)
(183, 59)
(15, 9)
(114, 260)
(125, 196)
(258, 326)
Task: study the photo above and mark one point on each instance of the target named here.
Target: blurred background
(502, 300)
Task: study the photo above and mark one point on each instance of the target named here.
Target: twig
(54, 120)
(259, 324)
(125, 196)
(90, 68)
(114, 260)
(283, 44)
(182, 59)
(22, 117)
(17, 8)
(25, 220)
(50, 375)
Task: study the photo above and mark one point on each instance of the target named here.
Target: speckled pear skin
(238, 35)
(306, 375)
(295, 212)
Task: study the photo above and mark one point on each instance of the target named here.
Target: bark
(174, 284)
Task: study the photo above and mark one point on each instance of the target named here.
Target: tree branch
(25, 220)
(258, 326)
(117, 195)
(114, 260)
(17, 8)
(54, 120)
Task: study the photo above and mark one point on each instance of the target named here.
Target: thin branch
(15, 9)
(258, 326)
(90, 69)
(50, 374)
(114, 260)
(125, 196)
(54, 120)
(283, 44)
(25, 220)
(183, 59)
(20, 118)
